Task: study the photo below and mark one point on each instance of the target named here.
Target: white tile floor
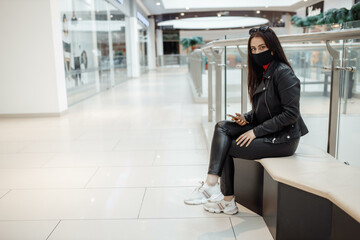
(117, 166)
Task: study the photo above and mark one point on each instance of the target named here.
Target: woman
(271, 129)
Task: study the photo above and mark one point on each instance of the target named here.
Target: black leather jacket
(275, 109)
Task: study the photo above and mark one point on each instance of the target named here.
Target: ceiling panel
(193, 4)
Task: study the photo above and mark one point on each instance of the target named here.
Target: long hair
(256, 71)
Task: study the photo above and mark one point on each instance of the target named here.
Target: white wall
(301, 12)
(328, 4)
(31, 60)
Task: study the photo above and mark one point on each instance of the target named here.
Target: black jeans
(224, 149)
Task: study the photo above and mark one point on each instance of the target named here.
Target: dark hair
(255, 71)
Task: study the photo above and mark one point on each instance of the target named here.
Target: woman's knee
(223, 125)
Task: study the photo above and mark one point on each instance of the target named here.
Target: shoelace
(199, 188)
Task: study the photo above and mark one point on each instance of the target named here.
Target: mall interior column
(151, 44)
(160, 46)
(132, 42)
(287, 20)
(32, 63)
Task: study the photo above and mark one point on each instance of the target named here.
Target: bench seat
(323, 176)
(309, 195)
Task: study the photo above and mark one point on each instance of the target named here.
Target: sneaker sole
(196, 202)
(230, 212)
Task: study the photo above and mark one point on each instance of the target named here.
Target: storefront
(94, 47)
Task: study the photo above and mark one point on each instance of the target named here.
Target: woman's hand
(241, 120)
(246, 138)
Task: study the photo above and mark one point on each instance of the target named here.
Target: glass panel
(93, 41)
(143, 48)
(103, 46)
(233, 74)
(349, 127)
(307, 61)
(118, 44)
(77, 50)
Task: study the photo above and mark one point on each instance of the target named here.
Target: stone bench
(309, 195)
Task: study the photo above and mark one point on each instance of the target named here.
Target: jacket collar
(271, 69)
(268, 73)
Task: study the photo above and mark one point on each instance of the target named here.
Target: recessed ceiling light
(266, 6)
(305, 0)
(258, 12)
(158, 3)
(219, 15)
(182, 14)
(187, 8)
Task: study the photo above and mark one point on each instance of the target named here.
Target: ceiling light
(266, 6)
(305, 0)
(187, 8)
(158, 3)
(182, 14)
(176, 17)
(219, 15)
(258, 12)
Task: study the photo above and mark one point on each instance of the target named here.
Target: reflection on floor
(117, 166)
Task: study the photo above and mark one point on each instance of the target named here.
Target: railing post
(218, 85)
(199, 75)
(334, 101)
(244, 76)
(198, 71)
(211, 64)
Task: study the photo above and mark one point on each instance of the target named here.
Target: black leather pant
(224, 149)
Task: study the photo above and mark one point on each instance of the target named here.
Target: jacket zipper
(267, 106)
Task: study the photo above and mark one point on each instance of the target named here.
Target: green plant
(189, 42)
(333, 15)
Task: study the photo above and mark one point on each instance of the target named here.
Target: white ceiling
(214, 22)
(175, 4)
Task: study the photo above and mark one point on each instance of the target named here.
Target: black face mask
(263, 58)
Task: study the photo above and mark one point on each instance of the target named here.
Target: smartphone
(237, 118)
(232, 116)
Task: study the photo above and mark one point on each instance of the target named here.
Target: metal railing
(172, 60)
(214, 51)
(196, 69)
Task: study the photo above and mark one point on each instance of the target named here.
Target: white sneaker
(202, 194)
(218, 205)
